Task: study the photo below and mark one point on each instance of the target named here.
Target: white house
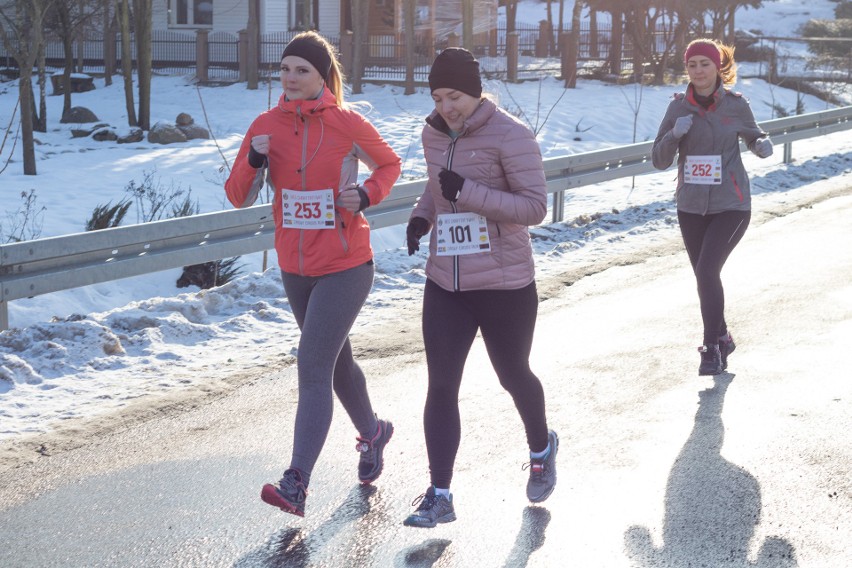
(232, 15)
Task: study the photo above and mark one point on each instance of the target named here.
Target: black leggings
(709, 239)
(506, 319)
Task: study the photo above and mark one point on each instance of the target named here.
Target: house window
(191, 12)
(303, 14)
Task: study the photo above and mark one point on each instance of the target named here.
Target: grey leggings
(325, 307)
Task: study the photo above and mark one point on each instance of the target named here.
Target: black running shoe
(543, 472)
(711, 360)
(371, 462)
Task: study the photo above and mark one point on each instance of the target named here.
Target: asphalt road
(658, 467)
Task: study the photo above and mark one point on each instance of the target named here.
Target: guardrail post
(788, 152)
(558, 206)
(4, 315)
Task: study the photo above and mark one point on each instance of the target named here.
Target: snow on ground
(91, 350)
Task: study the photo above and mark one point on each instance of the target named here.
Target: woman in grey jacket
(486, 187)
(703, 126)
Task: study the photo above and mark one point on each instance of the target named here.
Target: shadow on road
(530, 537)
(423, 555)
(712, 505)
(292, 548)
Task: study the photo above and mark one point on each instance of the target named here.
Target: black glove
(256, 159)
(365, 201)
(451, 184)
(417, 227)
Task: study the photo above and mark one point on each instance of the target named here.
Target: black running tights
(709, 240)
(506, 319)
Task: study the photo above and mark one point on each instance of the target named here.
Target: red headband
(706, 48)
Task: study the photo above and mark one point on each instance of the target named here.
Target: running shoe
(543, 471)
(288, 494)
(372, 461)
(711, 360)
(432, 509)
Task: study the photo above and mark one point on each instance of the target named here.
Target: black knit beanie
(456, 68)
(312, 51)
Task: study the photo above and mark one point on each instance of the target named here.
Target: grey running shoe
(371, 463)
(711, 360)
(433, 509)
(726, 347)
(543, 472)
(288, 494)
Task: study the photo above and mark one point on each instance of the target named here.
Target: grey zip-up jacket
(714, 131)
(500, 160)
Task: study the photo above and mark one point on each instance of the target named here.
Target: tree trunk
(252, 59)
(467, 25)
(80, 32)
(40, 122)
(127, 61)
(511, 15)
(142, 15)
(616, 43)
(551, 48)
(108, 37)
(408, 7)
(25, 88)
(68, 46)
(360, 31)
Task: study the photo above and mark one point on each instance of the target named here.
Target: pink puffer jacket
(504, 182)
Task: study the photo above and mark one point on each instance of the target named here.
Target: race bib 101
(703, 170)
(307, 209)
(462, 233)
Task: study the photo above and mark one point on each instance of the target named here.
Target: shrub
(106, 216)
(209, 274)
(152, 198)
(828, 28)
(26, 223)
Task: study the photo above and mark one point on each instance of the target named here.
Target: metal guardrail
(41, 266)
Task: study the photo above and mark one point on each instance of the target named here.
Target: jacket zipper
(304, 176)
(456, 275)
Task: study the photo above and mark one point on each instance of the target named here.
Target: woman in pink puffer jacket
(486, 187)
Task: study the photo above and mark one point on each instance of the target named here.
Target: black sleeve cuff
(365, 201)
(255, 158)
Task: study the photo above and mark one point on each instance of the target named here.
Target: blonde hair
(334, 81)
(728, 70)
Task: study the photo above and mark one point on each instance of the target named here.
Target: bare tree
(109, 39)
(467, 24)
(360, 33)
(511, 14)
(408, 7)
(21, 25)
(127, 61)
(551, 48)
(66, 19)
(253, 29)
(142, 17)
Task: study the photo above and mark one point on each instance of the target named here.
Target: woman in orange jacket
(310, 146)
